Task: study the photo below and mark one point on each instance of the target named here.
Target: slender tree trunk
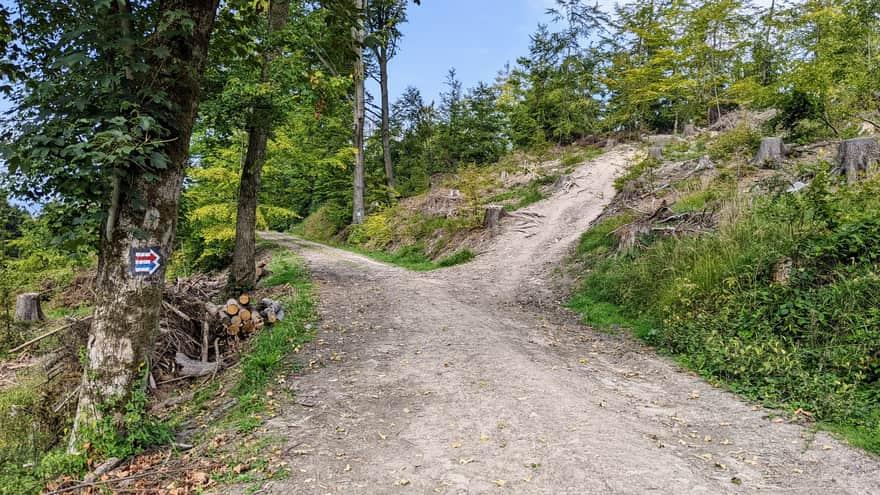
(357, 33)
(765, 69)
(242, 273)
(126, 317)
(386, 122)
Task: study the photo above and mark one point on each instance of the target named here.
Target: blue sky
(477, 37)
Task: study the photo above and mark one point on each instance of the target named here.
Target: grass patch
(740, 141)
(59, 312)
(581, 157)
(636, 171)
(599, 240)
(695, 201)
(456, 258)
(413, 258)
(524, 195)
(266, 351)
(609, 317)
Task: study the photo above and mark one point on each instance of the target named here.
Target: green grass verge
(265, 356)
(413, 258)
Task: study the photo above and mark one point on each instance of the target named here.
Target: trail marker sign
(145, 260)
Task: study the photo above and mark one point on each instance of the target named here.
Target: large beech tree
(106, 98)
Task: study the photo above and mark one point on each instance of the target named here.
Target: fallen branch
(102, 469)
(176, 311)
(47, 334)
(145, 474)
(192, 367)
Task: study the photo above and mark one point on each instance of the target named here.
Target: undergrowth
(265, 356)
(808, 339)
(32, 442)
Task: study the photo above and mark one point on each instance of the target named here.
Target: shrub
(326, 222)
(742, 140)
(377, 231)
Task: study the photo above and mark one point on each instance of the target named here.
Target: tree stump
(859, 155)
(27, 307)
(656, 152)
(689, 130)
(492, 216)
(772, 151)
(610, 143)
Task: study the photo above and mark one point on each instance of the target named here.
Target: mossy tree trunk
(143, 215)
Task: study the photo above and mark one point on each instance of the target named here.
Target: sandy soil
(473, 380)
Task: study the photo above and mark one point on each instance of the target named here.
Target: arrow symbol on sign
(146, 261)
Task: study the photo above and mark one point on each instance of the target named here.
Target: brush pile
(198, 337)
(663, 221)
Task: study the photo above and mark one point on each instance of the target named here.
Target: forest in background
(646, 67)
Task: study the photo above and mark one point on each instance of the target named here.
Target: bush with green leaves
(741, 141)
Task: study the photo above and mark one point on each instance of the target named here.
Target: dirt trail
(454, 381)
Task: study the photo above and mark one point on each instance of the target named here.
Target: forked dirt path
(470, 380)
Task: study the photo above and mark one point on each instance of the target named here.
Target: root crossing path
(472, 380)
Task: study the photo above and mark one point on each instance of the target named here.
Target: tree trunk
(386, 122)
(27, 307)
(242, 273)
(771, 151)
(357, 33)
(689, 130)
(858, 156)
(492, 217)
(127, 303)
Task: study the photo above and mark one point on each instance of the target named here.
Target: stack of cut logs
(240, 316)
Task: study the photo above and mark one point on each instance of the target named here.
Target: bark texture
(27, 307)
(859, 156)
(771, 151)
(242, 273)
(127, 306)
(492, 217)
(382, 56)
(357, 33)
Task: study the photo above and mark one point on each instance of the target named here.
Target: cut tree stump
(771, 152)
(245, 314)
(27, 307)
(656, 152)
(492, 216)
(232, 307)
(855, 156)
(689, 130)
